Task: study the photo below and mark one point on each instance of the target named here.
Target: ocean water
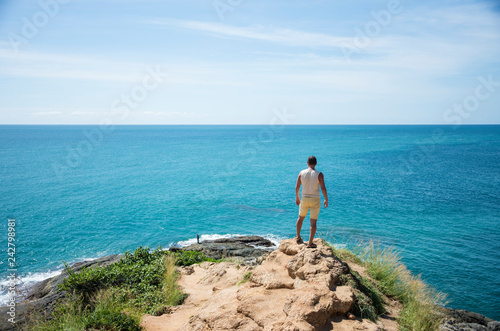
(81, 192)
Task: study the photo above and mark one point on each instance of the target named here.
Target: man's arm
(321, 179)
(297, 190)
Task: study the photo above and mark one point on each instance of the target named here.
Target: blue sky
(241, 61)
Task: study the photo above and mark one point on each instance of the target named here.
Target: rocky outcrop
(44, 296)
(254, 241)
(245, 249)
(295, 288)
(463, 320)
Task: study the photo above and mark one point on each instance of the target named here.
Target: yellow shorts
(310, 203)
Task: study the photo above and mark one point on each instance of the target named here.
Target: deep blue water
(433, 192)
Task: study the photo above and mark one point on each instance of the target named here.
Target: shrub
(106, 313)
(186, 258)
(110, 319)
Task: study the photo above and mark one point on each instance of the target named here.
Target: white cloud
(47, 113)
(424, 57)
(436, 41)
(61, 73)
(87, 113)
(277, 35)
(68, 66)
(175, 114)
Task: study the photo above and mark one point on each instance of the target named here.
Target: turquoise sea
(81, 192)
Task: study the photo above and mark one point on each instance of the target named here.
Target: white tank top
(310, 183)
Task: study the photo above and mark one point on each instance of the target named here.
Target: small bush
(110, 319)
(186, 258)
(140, 275)
(107, 313)
(139, 278)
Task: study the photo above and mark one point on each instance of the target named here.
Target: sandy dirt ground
(213, 290)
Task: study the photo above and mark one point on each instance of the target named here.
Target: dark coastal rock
(244, 248)
(175, 249)
(463, 320)
(43, 297)
(254, 241)
(495, 325)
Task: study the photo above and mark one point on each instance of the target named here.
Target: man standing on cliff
(310, 179)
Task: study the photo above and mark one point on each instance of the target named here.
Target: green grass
(109, 313)
(346, 255)
(67, 316)
(103, 312)
(420, 301)
(368, 302)
(115, 297)
(171, 291)
(246, 278)
(186, 258)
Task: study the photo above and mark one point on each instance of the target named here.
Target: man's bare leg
(299, 225)
(313, 231)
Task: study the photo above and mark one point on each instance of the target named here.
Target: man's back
(310, 182)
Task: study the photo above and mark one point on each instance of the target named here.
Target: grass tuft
(173, 294)
(107, 313)
(420, 302)
(68, 315)
(246, 278)
(368, 302)
(346, 255)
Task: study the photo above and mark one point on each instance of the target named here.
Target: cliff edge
(295, 288)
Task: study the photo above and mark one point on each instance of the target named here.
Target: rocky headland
(259, 287)
(294, 288)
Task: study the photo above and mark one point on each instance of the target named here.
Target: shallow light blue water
(433, 192)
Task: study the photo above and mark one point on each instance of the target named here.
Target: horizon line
(255, 124)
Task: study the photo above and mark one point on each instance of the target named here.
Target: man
(310, 179)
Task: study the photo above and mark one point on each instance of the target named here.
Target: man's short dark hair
(311, 160)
